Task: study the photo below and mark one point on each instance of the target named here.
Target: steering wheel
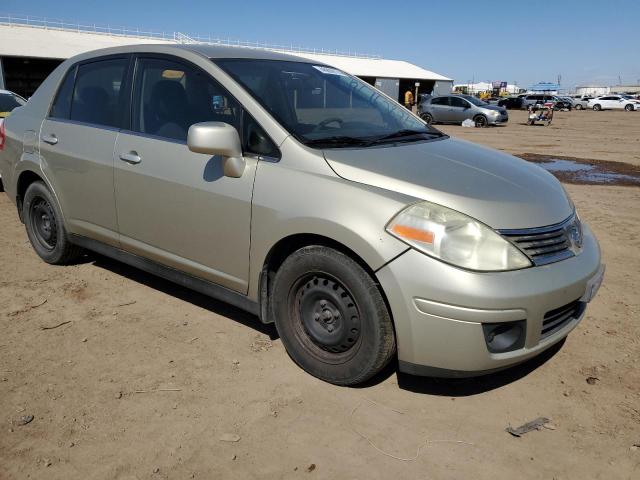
(323, 124)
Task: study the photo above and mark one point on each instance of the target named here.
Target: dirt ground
(141, 379)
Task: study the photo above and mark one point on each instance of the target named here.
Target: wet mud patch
(585, 171)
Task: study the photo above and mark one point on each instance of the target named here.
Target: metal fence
(178, 37)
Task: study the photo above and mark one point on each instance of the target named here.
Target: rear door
(607, 102)
(174, 206)
(77, 140)
(440, 109)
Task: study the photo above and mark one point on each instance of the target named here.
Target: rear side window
(440, 101)
(61, 107)
(171, 96)
(458, 102)
(98, 94)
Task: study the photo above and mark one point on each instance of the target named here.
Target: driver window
(171, 96)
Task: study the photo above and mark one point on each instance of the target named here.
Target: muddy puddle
(584, 171)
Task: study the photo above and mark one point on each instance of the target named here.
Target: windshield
(9, 101)
(325, 107)
(476, 101)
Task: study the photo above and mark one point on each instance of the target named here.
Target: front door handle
(50, 139)
(131, 157)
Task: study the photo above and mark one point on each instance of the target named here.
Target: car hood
(494, 107)
(500, 190)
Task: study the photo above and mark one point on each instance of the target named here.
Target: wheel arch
(26, 178)
(279, 252)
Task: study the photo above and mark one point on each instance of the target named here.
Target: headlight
(455, 238)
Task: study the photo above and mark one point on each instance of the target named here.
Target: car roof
(219, 51)
(209, 51)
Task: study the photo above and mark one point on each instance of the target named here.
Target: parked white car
(612, 102)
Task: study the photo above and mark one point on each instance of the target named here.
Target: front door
(76, 144)
(459, 109)
(174, 206)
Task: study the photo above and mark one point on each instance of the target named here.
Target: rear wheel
(597, 107)
(579, 107)
(427, 118)
(46, 232)
(331, 316)
(480, 121)
(628, 108)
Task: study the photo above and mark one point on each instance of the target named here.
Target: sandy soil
(146, 378)
(608, 135)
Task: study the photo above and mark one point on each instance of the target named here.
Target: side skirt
(194, 283)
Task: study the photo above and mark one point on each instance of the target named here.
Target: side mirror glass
(218, 138)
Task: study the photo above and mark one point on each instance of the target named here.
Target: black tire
(579, 107)
(45, 229)
(331, 316)
(628, 108)
(597, 107)
(427, 118)
(480, 121)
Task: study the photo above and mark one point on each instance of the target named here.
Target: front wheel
(45, 229)
(480, 121)
(578, 107)
(331, 316)
(427, 118)
(597, 107)
(628, 108)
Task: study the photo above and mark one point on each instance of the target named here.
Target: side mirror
(218, 138)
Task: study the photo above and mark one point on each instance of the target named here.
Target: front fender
(290, 202)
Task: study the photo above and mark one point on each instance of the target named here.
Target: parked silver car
(580, 102)
(458, 108)
(300, 193)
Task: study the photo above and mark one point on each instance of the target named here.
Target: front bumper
(439, 309)
(498, 120)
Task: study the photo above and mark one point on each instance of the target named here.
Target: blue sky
(587, 41)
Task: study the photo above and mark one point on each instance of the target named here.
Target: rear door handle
(50, 139)
(131, 157)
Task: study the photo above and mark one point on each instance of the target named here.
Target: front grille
(557, 318)
(543, 245)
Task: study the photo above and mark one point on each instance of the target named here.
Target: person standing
(408, 99)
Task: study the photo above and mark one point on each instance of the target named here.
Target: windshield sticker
(329, 71)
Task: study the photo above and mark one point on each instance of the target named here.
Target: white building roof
(23, 41)
(376, 67)
(63, 42)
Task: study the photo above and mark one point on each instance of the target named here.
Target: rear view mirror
(218, 138)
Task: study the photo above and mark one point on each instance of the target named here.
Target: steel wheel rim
(43, 223)
(326, 317)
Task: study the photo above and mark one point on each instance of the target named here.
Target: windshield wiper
(337, 140)
(405, 133)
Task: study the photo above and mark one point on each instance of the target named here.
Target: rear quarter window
(61, 107)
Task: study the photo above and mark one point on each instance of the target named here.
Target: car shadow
(450, 387)
(463, 387)
(183, 293)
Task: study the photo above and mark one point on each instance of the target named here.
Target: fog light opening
(504, 337)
